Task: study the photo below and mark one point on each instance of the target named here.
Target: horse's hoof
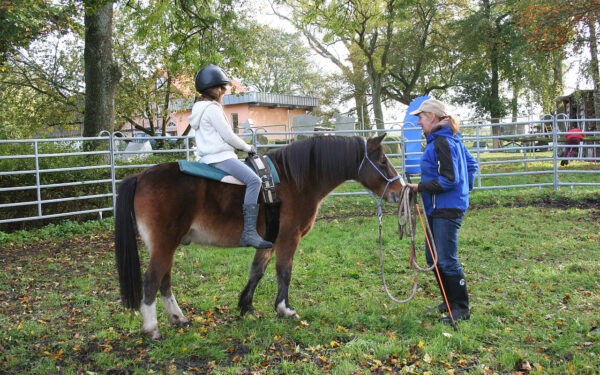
(179, 320)
(246, 309)
(154, 335)
(286, 312)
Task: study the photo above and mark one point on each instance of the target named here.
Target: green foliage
(496, 52)
(39, 86)
(365, 29)
(54, 232)
(161, 45)
(23, 21)
(280, 63)
(423, 57)
(41, 90)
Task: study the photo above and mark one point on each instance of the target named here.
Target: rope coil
(407, 227)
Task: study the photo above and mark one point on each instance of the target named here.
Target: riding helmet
(210, 76)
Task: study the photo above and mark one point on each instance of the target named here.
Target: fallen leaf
(523, 366)
(427, 358)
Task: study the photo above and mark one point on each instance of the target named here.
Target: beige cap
(432, 106)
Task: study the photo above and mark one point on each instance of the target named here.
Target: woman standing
(447, 176)
(216, 145)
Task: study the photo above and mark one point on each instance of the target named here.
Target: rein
(407, 226)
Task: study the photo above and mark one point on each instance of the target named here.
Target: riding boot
(442, 308)
(249, 236)
(458, 297)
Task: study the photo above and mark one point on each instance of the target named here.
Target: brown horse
(170, 208)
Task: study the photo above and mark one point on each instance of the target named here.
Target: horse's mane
(331, 159)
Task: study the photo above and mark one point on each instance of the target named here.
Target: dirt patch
(546, 202)
(562, 203)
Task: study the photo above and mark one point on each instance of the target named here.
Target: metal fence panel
(52, 173)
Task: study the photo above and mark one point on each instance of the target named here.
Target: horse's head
(377, 173)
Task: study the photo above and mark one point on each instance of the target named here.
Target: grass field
(531, 262)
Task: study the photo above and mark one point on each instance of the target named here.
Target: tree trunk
(594, 69)
(375, 79)
(495, 106)
(101, 74)
(360, 88)
(514, 102)
(557, 76)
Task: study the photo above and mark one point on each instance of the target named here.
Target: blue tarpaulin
(412, 136)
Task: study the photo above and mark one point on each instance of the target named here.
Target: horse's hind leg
(148, 307)
(158, 267)
(257, 270)
(170, 303)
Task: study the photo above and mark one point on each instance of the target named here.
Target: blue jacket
(447, 174)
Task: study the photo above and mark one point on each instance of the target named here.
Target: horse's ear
(375, 142)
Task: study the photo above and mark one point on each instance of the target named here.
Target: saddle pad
(195, 168)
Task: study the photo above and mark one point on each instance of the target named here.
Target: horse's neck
(326, 184)
(332, 173)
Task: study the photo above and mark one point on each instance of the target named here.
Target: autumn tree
(553, 26)
(279, 62)
(423, 58)
(364, 29)
(23, 21)
(162, 44)
(501, 73)
(41, 90)
(36, 87)
(36, 19)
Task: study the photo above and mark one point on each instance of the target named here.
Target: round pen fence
(45, 180)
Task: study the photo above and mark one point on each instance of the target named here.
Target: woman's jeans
(445, 234)
(242, 172)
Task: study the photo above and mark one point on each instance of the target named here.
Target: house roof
(271, 100)
(255, 99)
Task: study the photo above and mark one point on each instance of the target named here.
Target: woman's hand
(413, 187)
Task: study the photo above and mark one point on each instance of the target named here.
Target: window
(235, 121)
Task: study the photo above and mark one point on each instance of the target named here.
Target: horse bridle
(389, 180)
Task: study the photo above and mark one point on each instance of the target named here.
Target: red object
(575, 136)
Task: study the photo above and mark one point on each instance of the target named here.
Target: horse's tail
(126, 250)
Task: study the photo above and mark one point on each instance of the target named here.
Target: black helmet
(210, 76)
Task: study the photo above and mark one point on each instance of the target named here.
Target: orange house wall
(272, 119)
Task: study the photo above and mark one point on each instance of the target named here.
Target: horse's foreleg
(283, 268)
(170, 303)
(257, 270)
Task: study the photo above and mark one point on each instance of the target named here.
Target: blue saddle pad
(195, 168)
